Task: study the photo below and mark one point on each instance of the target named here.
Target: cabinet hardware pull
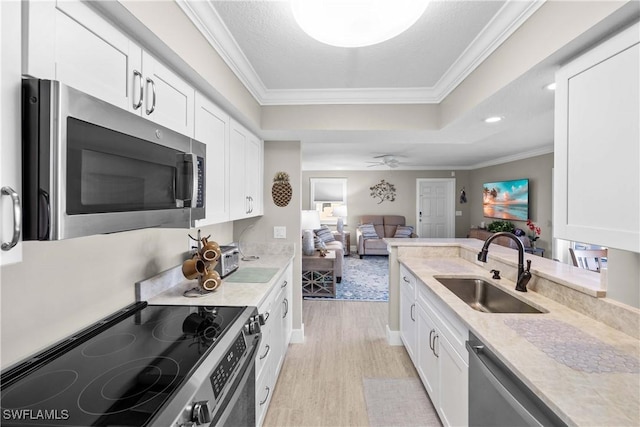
(17, 217)
(138, 74)
(153, 96)
(267, 348)
(266, 397)
(413, 306)
(286, 307)
(284, 284)
(436, 337)
(405, 279)
(430, 339)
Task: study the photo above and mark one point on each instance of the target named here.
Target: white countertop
(580, 391)
(229, 293)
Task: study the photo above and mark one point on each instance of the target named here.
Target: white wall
(63, 286)
(539, 172)
(361, 203)
(280, 157)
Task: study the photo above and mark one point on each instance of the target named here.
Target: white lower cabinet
(408, 312)
(427, 363)
(276, 335)
(439, 352)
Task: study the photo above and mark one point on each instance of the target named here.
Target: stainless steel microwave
(91, 168)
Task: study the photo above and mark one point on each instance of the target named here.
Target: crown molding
(520, 156)
(207, 20)
(508, 19)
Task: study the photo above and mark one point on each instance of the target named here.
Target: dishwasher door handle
(477, 351)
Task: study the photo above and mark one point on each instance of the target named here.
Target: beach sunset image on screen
(506, 199)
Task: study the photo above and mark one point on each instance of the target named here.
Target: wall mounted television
(507, 200)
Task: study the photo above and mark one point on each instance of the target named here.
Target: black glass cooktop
(119, 372)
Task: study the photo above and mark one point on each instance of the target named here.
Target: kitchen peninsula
(578, 325)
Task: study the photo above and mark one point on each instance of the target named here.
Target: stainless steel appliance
(143, 366)
(229, 260)
(91, 168)
(497, 397)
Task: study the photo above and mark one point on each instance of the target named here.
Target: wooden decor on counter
(202, 267)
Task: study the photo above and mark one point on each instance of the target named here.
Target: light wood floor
(321, 380)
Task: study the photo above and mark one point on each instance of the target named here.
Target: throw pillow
(318, 243)
(403, 231)
(324, 234)
(368, 231)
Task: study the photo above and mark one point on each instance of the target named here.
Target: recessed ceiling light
(551, 86)
(356, 23)
(494, 119)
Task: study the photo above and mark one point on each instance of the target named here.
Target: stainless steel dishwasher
(497, 397)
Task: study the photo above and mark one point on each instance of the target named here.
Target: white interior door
(436, 208)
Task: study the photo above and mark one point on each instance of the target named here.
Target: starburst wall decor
(383, 191)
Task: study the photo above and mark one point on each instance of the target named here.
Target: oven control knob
(201, 414)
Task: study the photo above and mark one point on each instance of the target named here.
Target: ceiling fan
(386, 160)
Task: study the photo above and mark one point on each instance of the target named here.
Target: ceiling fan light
(356, 23)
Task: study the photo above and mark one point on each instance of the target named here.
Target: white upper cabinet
(10, 147)
(69, 42)
(212, 128)
(168, 100)
(246, 162)
(597, 145)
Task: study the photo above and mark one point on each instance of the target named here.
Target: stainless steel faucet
(523, 275)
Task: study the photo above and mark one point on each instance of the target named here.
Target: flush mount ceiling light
(356, 23)
(494, 119)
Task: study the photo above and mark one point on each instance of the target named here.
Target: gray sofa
(385, 226)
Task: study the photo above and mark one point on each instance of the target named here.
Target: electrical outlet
(279, 232)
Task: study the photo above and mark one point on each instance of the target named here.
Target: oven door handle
(187, 190)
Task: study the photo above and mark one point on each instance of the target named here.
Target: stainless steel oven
(146, 365)
(90, 167)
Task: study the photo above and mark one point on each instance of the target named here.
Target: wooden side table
(318, 275)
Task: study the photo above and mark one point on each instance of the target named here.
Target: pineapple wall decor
(281, 190)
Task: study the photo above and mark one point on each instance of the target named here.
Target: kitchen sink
(484, 296)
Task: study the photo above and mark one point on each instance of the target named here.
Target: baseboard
(393, 337)
(297, 336)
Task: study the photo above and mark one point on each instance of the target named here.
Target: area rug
(364, 279)
(398, 402)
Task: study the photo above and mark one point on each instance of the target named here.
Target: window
(325, 194)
